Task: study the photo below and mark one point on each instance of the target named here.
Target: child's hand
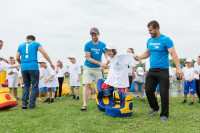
(46, 81)
(11, 72)
(190, 79)
(78, 80)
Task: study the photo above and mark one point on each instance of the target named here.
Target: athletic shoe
(24, 106)
(137, 98)
(47, 100)
(163, 118)
(52, 100)
(183, 102)
(74, 97)
(151, 112)
(59, 97)
(191, 103)
(77, 98)
(142, 99)
(32, 107)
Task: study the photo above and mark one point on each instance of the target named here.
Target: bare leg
(15, 92)
(11, 91)
(72, 89)
(89, 93)
(141, 95)
(192, 97)
(45, 93)
(39, 98)
(137, 93)
(85, 90)
(53, 94)
(156, 93)
(77, 91)
(185, 96)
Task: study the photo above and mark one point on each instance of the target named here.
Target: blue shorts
(189, 87)
(43, 89)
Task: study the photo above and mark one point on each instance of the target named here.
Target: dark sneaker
(24, 106)
(52, 100)
(137, 98)
(163, 118)
(74, 97)
(77, 98)
(191, 103)
(47, 100)
(142, 99)
(183, 102)
(151, 112)
(32, 107)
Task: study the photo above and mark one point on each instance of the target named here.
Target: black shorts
(178, 78)
(130, 81)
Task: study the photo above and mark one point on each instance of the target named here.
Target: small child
(118, 73)
(139, 82)
(189, 84)
(51, 81)
(12, 76)
(42, 85)
(75, 73)
(4, 66)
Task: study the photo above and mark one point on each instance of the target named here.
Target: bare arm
(106, 56)
(46, 56)
(47, 80)
(172, 52)
(145, 55)
(88, 56)
(57, 69)
(18, 57)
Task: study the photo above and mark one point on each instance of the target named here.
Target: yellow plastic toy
(6, 99)
(65, 89)
(3, 81)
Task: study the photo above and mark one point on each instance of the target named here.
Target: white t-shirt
(14, 75)
(3, 66)
(170, 71)
(188, 73)
(131, 66)
(118, 73)
(147, 64)
(138, 78)
(75, 71)
(197, 68)
(47, 73)
(61, 72)
(41, 81)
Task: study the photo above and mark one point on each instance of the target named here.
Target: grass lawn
(65, 116)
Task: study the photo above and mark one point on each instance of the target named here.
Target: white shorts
(88, 72)
(12, 82)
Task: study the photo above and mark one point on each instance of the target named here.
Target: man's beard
(94, 40)
(154, 35)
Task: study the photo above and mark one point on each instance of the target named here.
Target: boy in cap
(75, 74)
(189, 84)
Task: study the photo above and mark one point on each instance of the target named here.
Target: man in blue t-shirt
(30, 69)
(93, 64)
(158, 48)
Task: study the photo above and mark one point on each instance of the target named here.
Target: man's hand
(52, 66)
(137, 58)
(179, 72)
(103, 65)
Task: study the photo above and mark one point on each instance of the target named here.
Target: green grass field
(65, 116)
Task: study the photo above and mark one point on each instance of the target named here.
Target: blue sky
(62, 26)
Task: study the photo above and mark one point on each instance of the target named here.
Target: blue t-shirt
(158, 48)
(95, 53)
(28, 51)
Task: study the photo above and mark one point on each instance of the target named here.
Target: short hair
(114, 51)
(30, 37)
(199, 56)
(154, 24)
(1, 41)
(11, 57)
(132, 50)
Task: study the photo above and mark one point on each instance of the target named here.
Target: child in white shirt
(139, 82)
(42, 85)
(118, 73)
(75, 73)
(189, 84)
(12, 76)
(51, 81)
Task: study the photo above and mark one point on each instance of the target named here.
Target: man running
(93, 65)
(158, 48)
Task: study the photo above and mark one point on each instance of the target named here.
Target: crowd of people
(122, 73)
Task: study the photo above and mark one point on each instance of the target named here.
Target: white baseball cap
(140, 71)
(188, 60)
(5, 58)
(42, 61)
(71, 57)
(110, 46)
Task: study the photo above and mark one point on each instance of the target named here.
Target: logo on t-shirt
(155, 45)
(96, 51)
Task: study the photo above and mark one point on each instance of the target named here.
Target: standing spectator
(93, 65)
(158, 48)
(30, 69)
(75, 74)
(189, 84)
(12, 77)
(60, 71)
(197, 77)
(131, 69)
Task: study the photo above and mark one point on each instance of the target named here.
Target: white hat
(140, 71)
(42, 61)
(188, 60)
(5, 58)
(110, 46)
(71, 57)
